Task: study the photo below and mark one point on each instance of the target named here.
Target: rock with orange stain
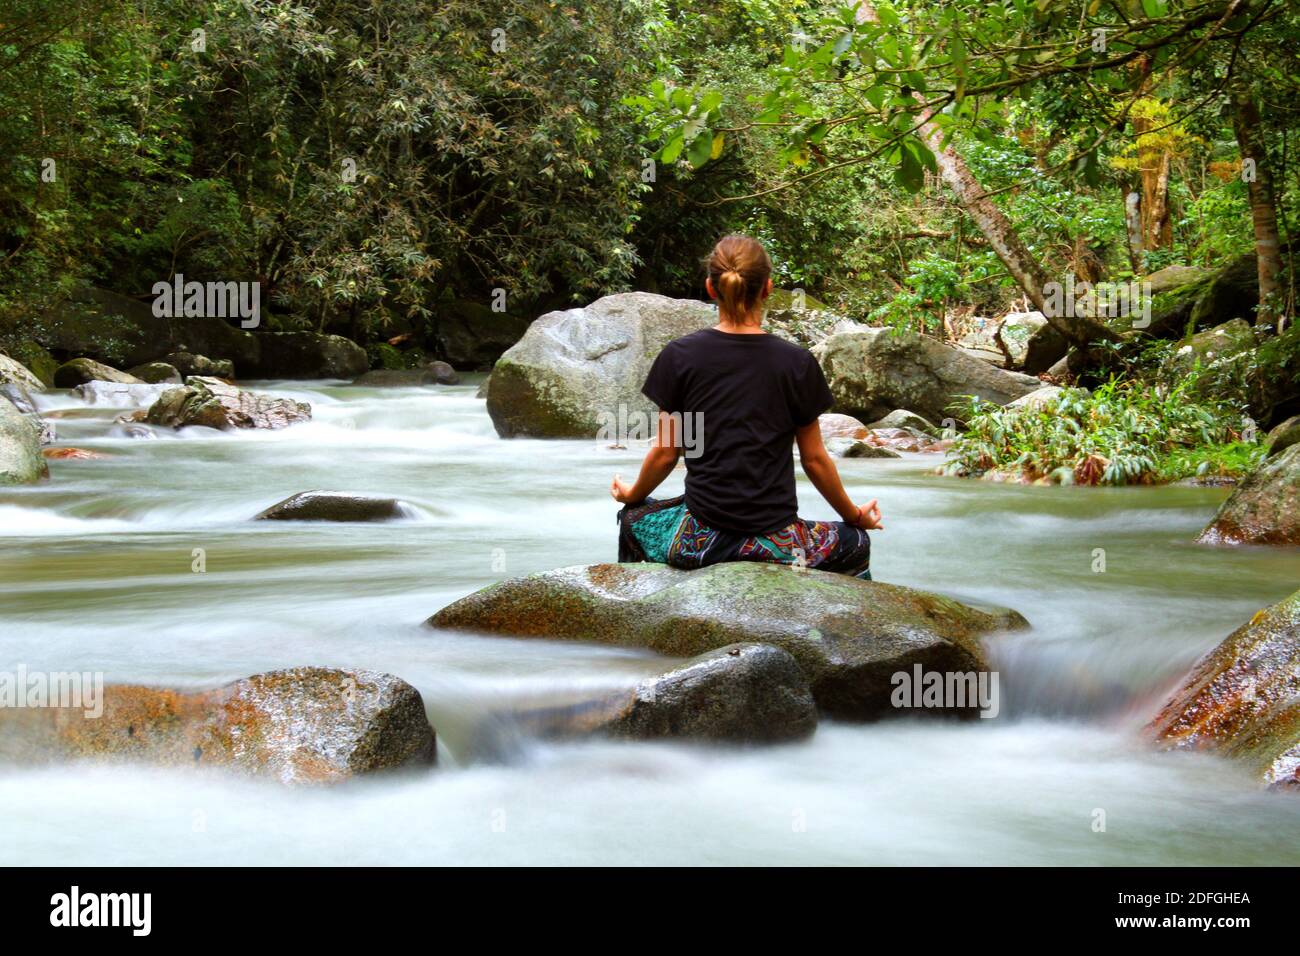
(1242, 699)
(1264, 508)
(78, 453)
(835, 425)
(305, 725)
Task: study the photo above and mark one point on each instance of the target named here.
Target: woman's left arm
(659, 463)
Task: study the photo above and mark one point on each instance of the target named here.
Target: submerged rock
(306, 725)
(333, 506)
(81, 370)
(1264, 508)
(216, 404)
(574, 366)
(849, 636)
(21, 461)
(876, 371)
(739, 693)
(1242, 700)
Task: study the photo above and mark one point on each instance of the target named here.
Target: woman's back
(741, 397)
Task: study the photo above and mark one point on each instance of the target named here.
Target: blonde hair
(739, 269)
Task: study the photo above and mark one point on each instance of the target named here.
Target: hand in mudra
(620, 491)
(869, 517)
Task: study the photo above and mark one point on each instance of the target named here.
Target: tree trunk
(1153, 168)
(996, 227)
(1133, 226)
(1263, 211)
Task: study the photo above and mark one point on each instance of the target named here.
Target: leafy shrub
(1119, 434)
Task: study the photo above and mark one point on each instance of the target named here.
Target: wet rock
(875, 371)
(159, 373)
(15, 373)
(833, 426)
(1264, 508)
(1283, 436)
(216, 404)
(437, 373)
(849, 636)
(1242, 700)
(861, 449)
(188, 363)
(572, 366)
(305, 725)
(333, 506)
(81, 370)
(119, 395)
(21, 461)
(19, 397)
(63, 454)
(739, 693)
(307, 355)
(902, 418)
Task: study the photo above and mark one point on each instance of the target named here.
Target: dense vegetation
(378, 165)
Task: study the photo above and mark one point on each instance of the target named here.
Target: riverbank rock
(1242, 700)
(1264, 508)
(15, 373)
(306, 725)
(1209, 348)
(124, 332)
(82, 370)
(188, 363)
(1038, 399)
(1283, 436)
(216, 404)
(876, 371)
(849, 636)
(574, 366)
(739, 693)
(158, 373)
(21, 462)
(306, 355)
(1030, 341)
(472, 336)
(436, 373)
(333, 506)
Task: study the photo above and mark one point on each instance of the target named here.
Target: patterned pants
(664, 531)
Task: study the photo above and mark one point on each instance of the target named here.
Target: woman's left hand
(620, 491)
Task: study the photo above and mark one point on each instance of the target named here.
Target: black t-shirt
(745, 394)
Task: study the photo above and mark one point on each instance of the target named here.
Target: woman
(749, 396)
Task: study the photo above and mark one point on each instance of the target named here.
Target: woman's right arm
(821, 471)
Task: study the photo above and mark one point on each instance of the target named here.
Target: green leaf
(700, 150)
(672, 149)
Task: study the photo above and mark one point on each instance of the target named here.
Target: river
(97, 570)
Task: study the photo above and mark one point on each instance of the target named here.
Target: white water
(96, 572)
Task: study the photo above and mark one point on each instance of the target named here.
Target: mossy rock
(850, 637)
(1264, 508)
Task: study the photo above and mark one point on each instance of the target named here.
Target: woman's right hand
(869, 517)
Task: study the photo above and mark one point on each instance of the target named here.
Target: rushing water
(96, 568)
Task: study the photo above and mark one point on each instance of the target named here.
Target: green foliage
(1119, 434)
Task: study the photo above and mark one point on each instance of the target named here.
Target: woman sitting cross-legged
(737, 399)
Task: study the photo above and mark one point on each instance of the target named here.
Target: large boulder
(21, 461)
(187, 364)
(120, 395)
(158, 373)
(574, 366)
(473, 336)
(1264, 508)
(850, 637)
(82, 370)
(216, 404)
(1242, 700)
(124, 331)
(740, 693)
(1283, 435)
(1030, 341)
(306, 725)
(333, 506)
(306, 355)
(15, 373)
(874, 371)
